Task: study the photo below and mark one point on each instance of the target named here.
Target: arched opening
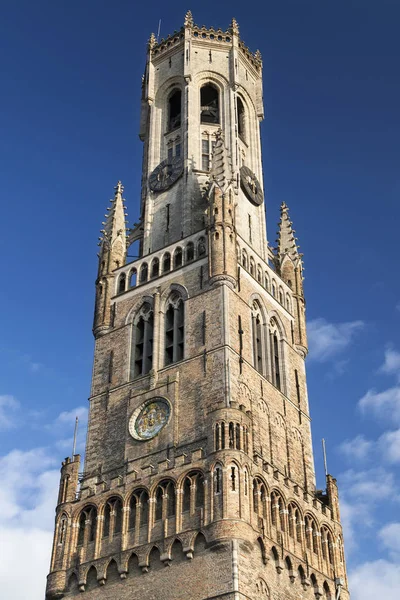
(143, 273)
(186, 494)
(112, 572)
(190, 252)
(240, 118)
(199, 498)
(91, 579)
(209, 101)
(178, 258)
(155, 560)
(201, 247)
(159, 504)
(199, 543)
(174, 331)
(133, 278)
(166, 262)
(177, 553)
(155, 268)
(133, 565)
(121, 283)
(174, 110)
(143, 342)
(73, 585)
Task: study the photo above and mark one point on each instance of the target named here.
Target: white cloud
(358, 448)
(28, 496)
(375, 579)
(384, 404)
(361, 493)
(8, 407)
(68, 417)
(389, 444)
(391, 366)
(389, 536)
(326, 340)
(373, 484)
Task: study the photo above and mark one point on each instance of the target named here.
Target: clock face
(165, 175)
(148, 420)
(251, 186)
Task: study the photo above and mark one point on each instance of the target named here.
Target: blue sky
(71, 74)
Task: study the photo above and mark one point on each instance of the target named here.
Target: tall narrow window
(174, 110)
(190, 252)
(277, 371)
(143, 342)
(209, 102)
(155, 268)
(166, 262)
(122, 283)
(178, 258)
(240, 118)
(143, 273)
(174, 331)
(257, 344)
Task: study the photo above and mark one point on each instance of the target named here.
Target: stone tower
(199, 479)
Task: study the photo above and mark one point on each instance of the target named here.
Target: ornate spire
(115, 223)
(188, 22)
(234, 26)
(221, 166)
(152, 41)
(286, 240)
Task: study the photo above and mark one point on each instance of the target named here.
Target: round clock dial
(165, 175)
(251, 186)
(148, 420)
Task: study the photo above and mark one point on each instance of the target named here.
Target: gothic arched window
(276, 361)
(178, 258)
(174, 110)
(142, 342)
(121, 283)
(143, 273)
(209, 102)
(190, 252)
(240, 118)
(174, 330)
(201, 247)
(259, 343)
(87, 525)
(166, 262)
(155, 268)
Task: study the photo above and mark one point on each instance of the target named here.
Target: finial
(235, 26)
(258, 56)
(119, 188)
(189, 19)
(152, 41)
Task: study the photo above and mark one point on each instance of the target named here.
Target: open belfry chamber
(199, 477)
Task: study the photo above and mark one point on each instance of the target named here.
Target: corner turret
(289, 265)
(221, 219)
(111, 256)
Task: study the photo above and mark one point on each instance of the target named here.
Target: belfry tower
(199, 479)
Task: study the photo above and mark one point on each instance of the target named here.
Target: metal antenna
(75, 432)
(158, 33)
(324, 453)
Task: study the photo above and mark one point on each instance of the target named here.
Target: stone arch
(176, 552)
(200, 543)
(133, 312)
(112, 572)
(133, 565)
(73, 583)
(91, 579)
(154, 559)
(173, 288)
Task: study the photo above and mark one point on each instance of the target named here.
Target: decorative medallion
(165, 175)
(148, 420)
(251, 186)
